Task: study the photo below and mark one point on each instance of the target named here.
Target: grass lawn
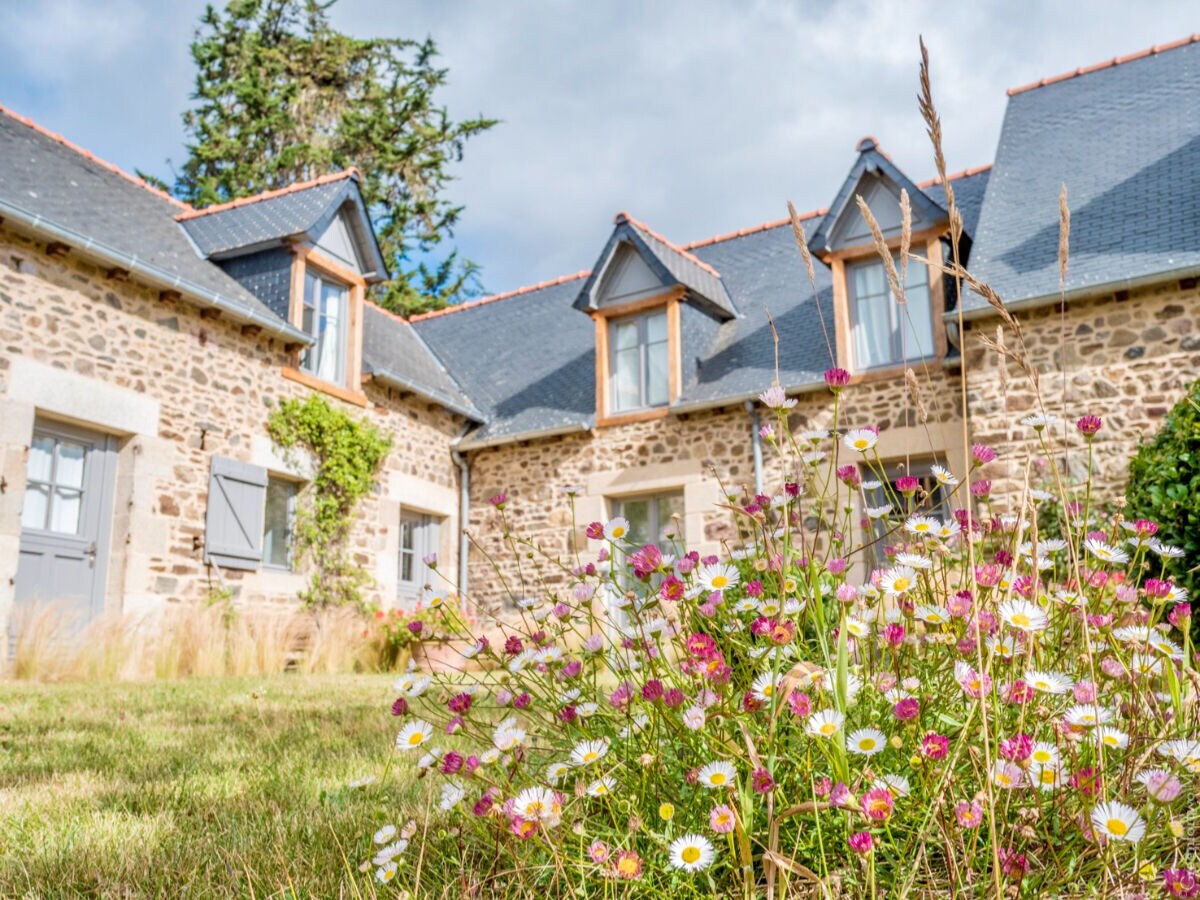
(206, 787)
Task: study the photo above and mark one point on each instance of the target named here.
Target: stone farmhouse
(143, 344)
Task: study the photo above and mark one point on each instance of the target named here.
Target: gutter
(152, 274)
(389, 377)
(576, 428)
(756, 445)
(464, 512)
(698, 405)
(1091, 290)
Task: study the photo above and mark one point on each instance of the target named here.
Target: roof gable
(635, 257)
(877, 179)
(305, 211)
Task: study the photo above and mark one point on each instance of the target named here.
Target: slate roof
(395, 354)
(302, 210)
(528, 361)
(1125, 138)
(46, 176)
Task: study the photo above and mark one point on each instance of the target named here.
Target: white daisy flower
(898, 580)
(856, 627)
(384, 834)
(691, 853)
(826, 723)
(508, 735)
(866, 741)
(587, 752)
(922, 525)
(1112, 738)
(601, 787)
(948, 530)
(1165, 646)
(896, 785)
(1048, 682)
(431, 758)
(1166, 551)
(1007, 775)
(617, 529)
(717, 577)
(390, 852)
(384, 874)
(914, 561)
(1183, 751)
(1046, 778)
(1145, 665)
(746, 605)
(414, 734)
(860, 439)
(878, 512)
(587, 710)
(769, 607)
(1023, 615)
(1038, 422)
(489, 756)
(943, 476)
(363, 782)
(932, 615)
(636, 724)
(556, 772)
(1105, 552)
(412, 685)
(813, 436)
(1132, 634)
(1044, 754)
(452, 795)
(537, 803)
(763, 687)
(871, 485)
(1087, 715)
(717, 774)
(1118, 822)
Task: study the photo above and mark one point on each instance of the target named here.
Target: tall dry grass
(183, 640)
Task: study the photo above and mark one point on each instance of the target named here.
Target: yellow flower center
(690, 854)
(901, 584)
(720, 581)
(716, 778)
(534, 809)
(828, 728)
(768, 689)
(1003, 780)
(415, 738)
(1117, 827)
(921, 526)
(1047, 776)
(590, 756)
(667, 811)
(1021, 619)
(618, 532)
(866, 744)
(1041, 756)
(861, 444)
(601, 789)
(1110, 740)
(627, 866)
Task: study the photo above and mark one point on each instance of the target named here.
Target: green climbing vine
(345, 454)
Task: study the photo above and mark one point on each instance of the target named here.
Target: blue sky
(696, 116)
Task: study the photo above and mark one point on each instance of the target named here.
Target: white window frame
(426, 530)
(289, 535)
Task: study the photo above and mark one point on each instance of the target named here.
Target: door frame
(103, 453)
(427, 535)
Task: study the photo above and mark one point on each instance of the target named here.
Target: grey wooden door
(419, 537)
(66, 522)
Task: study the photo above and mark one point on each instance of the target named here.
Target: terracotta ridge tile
(1106, 64)
(658, 237)
(954, 176)
(516, 292)
(752, 229)
(351, 172)
(88, 155)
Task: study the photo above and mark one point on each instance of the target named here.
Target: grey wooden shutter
(233, 528)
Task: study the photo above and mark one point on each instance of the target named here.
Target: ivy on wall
(346, 455)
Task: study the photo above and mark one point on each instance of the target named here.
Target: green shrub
(1164, 487)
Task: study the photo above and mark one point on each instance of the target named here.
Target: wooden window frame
(305, 257)
(928, 241)
(618, 503)
(603, 318)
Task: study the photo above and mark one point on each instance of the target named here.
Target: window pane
(625, 334)
(64, 511)
(312, 288)
(869, 280)
(918, 321)
(333, 329)
(637, 512)
(872, 311)
(656, 328)
(406, 534)
(627, 392)
(69, 472)
(41, 458)
(656, 375)
(33, 513)
(277, 523)
(669, 505)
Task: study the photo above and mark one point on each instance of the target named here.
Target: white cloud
(698, 116)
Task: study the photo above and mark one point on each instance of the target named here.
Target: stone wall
(176, 389)
(1128, 356)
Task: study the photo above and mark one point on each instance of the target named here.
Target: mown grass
(229, 787)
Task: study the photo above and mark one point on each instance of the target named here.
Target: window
(278, 521)
(54, 489)
(882, 333)
(639, 362)
(325, 317)
(884, 531)
(420, 535)
(650, 516)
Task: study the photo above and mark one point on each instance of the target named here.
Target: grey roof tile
(46, 177)
(1126, 142)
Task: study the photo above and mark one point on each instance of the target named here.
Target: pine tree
(281, 97)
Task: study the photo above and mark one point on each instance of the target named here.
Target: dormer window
(884, 332)
(640, 363)
(325, 316)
